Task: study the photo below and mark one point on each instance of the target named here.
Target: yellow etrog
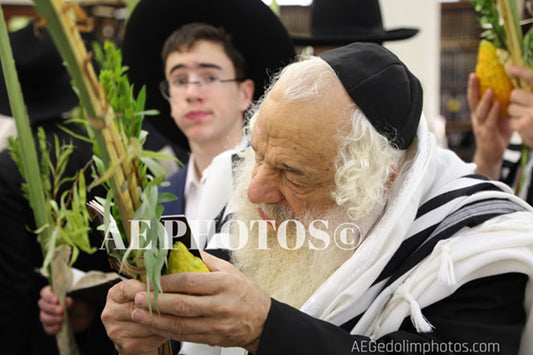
(182, 260)
(492, 74)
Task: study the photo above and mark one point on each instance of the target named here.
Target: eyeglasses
(181, 84)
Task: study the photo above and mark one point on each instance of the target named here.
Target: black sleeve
(21, 256)
(483, 316)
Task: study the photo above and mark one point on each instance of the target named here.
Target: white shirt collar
(193, 189)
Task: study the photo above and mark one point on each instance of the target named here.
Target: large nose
(263, 187)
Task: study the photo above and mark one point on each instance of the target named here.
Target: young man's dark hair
(184, 38)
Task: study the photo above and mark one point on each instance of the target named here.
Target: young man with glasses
(208, 94)
(216, 58)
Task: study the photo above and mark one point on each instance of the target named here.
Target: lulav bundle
(502, 44)
(503, 30)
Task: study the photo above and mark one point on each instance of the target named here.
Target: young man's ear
(247, 90)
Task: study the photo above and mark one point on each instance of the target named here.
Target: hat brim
(341, 40)
(59, 99)
(44, 80)
(256, 31)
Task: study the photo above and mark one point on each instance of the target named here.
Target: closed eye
(293, 182)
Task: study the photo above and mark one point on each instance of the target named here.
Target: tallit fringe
(446, 270)
(420, 322)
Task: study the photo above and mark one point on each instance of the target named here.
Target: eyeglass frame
(164, 86)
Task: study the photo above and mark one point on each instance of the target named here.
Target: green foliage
(528, 48)
(489, 19)
(68, 218)
(16, 155)
(156, 252)
(129, 113)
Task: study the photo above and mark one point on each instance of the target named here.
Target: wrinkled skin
(230, 312)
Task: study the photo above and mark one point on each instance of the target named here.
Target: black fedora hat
(340, 22)
(255, 30)
(44, 80)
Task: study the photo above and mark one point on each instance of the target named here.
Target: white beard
(289, 276)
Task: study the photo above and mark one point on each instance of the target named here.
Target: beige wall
(422, 52)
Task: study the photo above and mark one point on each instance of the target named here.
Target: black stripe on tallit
(408, 246)
(510, 166)
(529, 195)
(220, 219)
(446, 197)
(467, 216)
(515, 147)
(511, 174)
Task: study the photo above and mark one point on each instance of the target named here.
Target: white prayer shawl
(215, 195)
(502, 244)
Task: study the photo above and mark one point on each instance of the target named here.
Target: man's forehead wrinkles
(274, 149)
(258, 135)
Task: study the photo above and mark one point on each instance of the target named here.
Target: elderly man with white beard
(440, 260)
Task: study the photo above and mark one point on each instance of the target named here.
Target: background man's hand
(51, 314)
(492, 133)
(521, 106)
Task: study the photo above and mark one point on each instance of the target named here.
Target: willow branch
(27, 146)
(67, 39)
(513, 31)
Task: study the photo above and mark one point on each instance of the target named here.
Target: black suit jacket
(176, 187)
(20, 255)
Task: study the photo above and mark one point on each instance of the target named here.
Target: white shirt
(7, 128)
(193, 189)
(205, 198)
(219, 186)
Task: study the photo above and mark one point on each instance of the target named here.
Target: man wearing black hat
(216, 58)
(208, 93)
(354, 233)
(340, 22)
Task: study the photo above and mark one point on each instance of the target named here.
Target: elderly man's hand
(128, 336)
(222, 307)
(521, 106)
